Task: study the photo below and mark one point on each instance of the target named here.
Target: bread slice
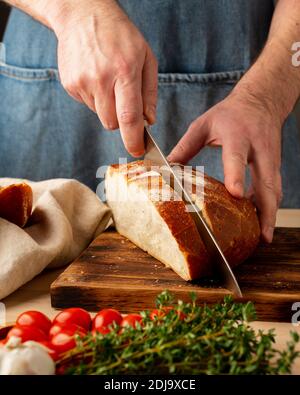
(16, 203)
(149, 213)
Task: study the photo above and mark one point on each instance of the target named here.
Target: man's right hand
(105, 62)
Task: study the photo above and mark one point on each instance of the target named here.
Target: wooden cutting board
(113, 272)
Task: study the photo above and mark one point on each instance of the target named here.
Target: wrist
(54, 12)
(256, 96)
(272, 82)
(63, 13)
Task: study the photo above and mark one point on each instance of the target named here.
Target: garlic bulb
(29, 358)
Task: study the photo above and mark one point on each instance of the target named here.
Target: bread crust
(16, 203)
(233, 221)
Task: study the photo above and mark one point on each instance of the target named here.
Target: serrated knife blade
(155, 156)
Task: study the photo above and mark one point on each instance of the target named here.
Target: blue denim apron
(203, 48)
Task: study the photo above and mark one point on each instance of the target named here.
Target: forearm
(41, 10)
(56, 13)
(273, 79)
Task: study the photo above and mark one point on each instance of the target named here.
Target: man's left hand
(249, 132)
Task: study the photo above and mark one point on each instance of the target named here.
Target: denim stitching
(223, 76)
(163, 78)
(20, 73)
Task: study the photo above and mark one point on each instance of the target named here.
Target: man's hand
(105, 63)
(249, 133)
(247, 124)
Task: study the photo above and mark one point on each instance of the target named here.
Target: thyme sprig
(210, 340)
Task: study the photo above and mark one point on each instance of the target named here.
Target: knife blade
(155, 156)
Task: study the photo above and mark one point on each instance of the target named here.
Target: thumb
(191, 143)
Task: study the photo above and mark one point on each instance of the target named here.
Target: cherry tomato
(64, 341)
(160, 313)
(104, 319)
(36, 319)
(61, 370)
(131, 320)
(104, 330)
(3, 342)
(53, 353)
(74, 315)
(56, 328)
(27, 333)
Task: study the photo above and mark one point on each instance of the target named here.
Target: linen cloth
(66, 217)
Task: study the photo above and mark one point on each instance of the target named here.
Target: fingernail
(268, 234)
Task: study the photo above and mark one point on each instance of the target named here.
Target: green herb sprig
(209, 340)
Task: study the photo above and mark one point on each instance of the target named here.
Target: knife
(155, 156)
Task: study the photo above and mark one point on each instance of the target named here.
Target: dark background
(4, 12)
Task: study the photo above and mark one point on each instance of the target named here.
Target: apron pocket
(28, 75)
(30, 132)
(228, 77)
(44, 133)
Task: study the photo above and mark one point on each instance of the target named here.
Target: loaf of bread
(16, 203)
(149, 213)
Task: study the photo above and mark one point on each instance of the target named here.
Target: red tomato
(104, 319)
(56, 328)
(27, 333)
(131, 320)
(104, 330)
(74, 315)
(36, 319)
(61, 370)
(3, 342)
(64, 340)
(53, 354)
(160, 313)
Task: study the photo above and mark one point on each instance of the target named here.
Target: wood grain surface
(114, 272)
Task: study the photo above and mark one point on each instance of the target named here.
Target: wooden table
(35, 294)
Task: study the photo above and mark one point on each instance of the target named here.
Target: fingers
(105, 105)
(129, 108)
(88, 100)
(150, 86)
(235, 158)
(266, 180)
(191, 143)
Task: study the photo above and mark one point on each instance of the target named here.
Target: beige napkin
(66, 217)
